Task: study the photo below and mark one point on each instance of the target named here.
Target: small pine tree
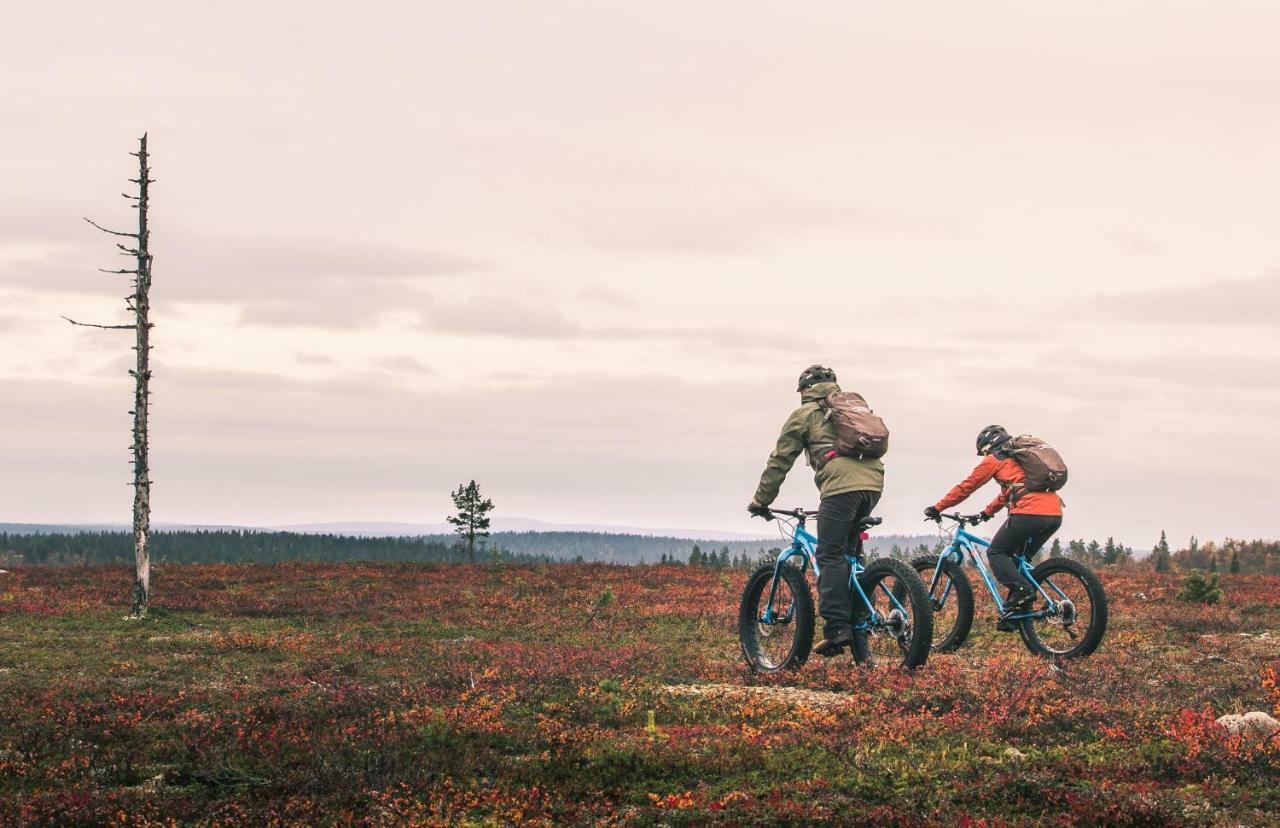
(696, 557)
(1213, 563)
(1198, 589)
(1160, 554)
(1055, 551)
(472, 520)
(1235, 561)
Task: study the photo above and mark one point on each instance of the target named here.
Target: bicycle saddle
(867, 523)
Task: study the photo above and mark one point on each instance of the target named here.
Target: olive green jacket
(808, 426)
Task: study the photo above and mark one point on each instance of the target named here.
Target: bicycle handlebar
(803, 514)
(964, 520)
(792, 513)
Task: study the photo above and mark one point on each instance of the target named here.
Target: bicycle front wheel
(775, 619)
(901, 630)
(1074, 626)
(951, 598)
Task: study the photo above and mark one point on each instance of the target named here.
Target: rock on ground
(1253, 723)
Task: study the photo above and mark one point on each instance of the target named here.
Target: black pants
(838, 520)
(1021, 535)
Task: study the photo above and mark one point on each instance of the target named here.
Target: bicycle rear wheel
(1075, 627)
(781, 639)
(902, 630)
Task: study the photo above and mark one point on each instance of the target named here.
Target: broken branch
(103, 327)
(112, 232)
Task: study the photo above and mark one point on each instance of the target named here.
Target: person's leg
(1021, 536)
(866, 504)
(1009, 541)
(836, 519)
(1045, 527)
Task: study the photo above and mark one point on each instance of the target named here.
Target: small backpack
(1044, 467)
(860, 433)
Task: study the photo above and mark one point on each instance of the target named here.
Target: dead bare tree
(139, 303)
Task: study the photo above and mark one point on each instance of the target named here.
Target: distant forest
(249, 546)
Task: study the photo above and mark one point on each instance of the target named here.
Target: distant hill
(40, 543)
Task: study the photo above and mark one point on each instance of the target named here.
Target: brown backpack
(1044, 467)
(860, 433)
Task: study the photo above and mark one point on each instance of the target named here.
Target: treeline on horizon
(248, 546)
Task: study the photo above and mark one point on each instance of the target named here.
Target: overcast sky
(579, 251)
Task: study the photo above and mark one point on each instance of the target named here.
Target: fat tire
(748, 620)
(1098, 606)
(917, 653)
(961, 592)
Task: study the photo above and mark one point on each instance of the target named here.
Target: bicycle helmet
(815, 374)
(991, 438)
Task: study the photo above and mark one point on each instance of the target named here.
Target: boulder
(1253, 723)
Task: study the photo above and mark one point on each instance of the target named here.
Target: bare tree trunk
(141, 397)
(139, 302)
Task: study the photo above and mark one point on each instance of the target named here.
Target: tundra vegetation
(396, 693)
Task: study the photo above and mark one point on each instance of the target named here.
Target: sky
(580, 251)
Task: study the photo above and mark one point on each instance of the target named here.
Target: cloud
(714, 227)
(1132, 241)
(497, 316)
(1229, 302)
(405, 365)
(605, 296)
(1177, 373)
(308, 358)
(274, 279)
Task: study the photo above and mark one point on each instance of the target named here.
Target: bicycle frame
(964, 541)
(804, 545)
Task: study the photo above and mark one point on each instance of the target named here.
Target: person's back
(849, 488)
(809, 430)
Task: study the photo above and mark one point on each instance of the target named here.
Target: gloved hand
(932, 514)
(757, 510)
(985, 516)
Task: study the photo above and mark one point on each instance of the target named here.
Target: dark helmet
(815, 374)
(991, 438)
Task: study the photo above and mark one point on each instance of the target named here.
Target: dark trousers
(1021, 535)
(838, 535)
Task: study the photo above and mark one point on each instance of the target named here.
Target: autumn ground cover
(421, 694)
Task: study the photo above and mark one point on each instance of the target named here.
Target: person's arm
(997, 504)
(978, 478)
(790, 444)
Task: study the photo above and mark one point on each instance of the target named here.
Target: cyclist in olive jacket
(849, 488)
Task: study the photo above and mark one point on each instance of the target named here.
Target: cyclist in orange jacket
(1033, 516)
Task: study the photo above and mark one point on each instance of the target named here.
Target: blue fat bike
(776, 617)
(1067, 619)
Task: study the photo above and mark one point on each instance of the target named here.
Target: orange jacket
(1006, 472)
